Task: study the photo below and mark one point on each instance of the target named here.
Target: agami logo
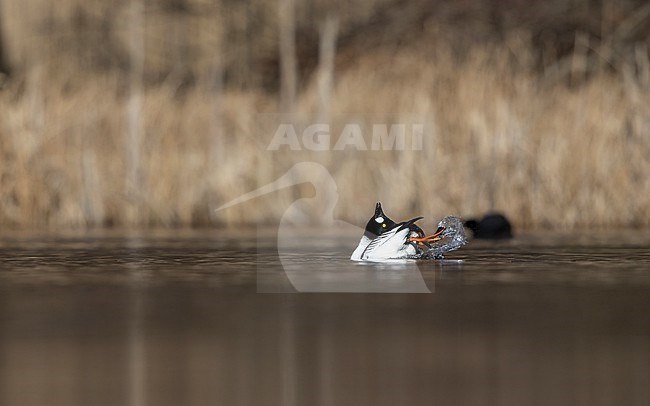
(318, 137)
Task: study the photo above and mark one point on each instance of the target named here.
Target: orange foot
(429, 238)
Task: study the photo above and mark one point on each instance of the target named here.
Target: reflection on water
(164, 319)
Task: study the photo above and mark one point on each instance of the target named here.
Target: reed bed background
(153, 113)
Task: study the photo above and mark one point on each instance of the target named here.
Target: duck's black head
(379, 223)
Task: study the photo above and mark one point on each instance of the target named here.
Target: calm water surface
(175, 319)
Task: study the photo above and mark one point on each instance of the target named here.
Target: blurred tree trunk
(181, 70)
(288, 63)
(134, 115)
(4, 63)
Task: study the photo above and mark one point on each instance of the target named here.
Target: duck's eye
(384, 225)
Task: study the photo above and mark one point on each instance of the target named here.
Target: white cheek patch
(379, 219)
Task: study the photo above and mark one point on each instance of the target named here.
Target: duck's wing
(386, 245)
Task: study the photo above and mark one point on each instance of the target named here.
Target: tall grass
(566, 146)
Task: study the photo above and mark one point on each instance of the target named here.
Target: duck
(385, 239)
(492, 226)
(319, 209)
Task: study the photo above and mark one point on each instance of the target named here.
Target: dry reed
(95, 148)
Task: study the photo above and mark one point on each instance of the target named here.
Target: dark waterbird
(492, 226)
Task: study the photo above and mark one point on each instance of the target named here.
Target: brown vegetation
(153, 113)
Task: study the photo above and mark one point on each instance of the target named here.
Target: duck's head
(378, 223)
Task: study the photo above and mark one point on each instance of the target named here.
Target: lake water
(175, 318)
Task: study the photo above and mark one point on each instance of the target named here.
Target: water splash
(452, 239)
